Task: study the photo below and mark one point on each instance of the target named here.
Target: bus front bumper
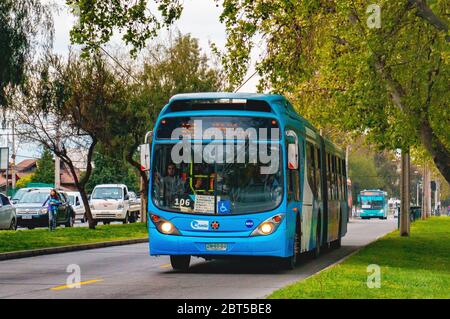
(271, 245)
(371, 213)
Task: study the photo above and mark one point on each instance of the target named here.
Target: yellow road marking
(75, 284)
(165, 266)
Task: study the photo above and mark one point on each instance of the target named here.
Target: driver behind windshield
(171, 185)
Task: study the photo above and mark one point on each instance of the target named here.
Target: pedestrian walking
(52, 207)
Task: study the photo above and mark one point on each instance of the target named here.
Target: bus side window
(338, 177)
(290, 184)
(310, 168)
(293, 184)
(327, 167)
(344, 180)
(333, 170)
(317, 160)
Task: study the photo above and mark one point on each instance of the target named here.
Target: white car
(77, 204)
(8, 218)
(112, 202)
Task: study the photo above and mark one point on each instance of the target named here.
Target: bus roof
(285, 111)
(224, 95)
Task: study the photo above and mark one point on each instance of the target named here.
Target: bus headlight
(164, 226)
(268, 226)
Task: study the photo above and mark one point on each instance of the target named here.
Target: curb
(64, 249)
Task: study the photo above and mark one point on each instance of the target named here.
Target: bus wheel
(289, 263)
(337, 243)
(316, 251)
(180, 262)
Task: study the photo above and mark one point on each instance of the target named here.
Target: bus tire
(180, 262)
(337, 243)
(290, 262)
(316, 251)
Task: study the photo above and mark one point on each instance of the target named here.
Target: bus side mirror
(292, 156)
(145, 157)
(292, 149)
(145, 152)
(359, 198)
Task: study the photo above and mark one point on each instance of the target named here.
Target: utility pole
(422, 206)
(57, 163)
(13, 157)
(426, 192)
(437, 198)
(404, 194)
(417, 193)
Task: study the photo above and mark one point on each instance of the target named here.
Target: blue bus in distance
(373, 204)
(236, 174)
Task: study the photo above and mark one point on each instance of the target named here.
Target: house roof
(26, 164)
(66, 177)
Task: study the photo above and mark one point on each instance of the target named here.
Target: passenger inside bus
(171, 185)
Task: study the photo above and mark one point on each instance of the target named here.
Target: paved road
(129, 272)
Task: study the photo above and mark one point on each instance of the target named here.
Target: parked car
(77, 205)
(112, 202)
(32, 211)
(135, 204)
(19, 194)
(8, 218)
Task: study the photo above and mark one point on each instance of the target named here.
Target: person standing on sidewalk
(52, 207)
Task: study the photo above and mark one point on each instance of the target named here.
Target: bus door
(294, 158)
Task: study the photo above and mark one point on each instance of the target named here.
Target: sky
(200, 18)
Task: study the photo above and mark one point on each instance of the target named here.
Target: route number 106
(182, 202)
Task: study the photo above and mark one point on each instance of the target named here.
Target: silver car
(8, 218)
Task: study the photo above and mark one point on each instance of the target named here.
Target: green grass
(415, 267)
(43, 238)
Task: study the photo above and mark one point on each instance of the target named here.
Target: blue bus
(234, 174)
(373, 204)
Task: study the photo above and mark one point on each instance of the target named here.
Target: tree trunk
(81, 188)
(144, 184)
(404, 195)
(432, 143)
(82, 184)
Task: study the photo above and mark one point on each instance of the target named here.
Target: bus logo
(249, 223)
(215, 225)
(200, 224)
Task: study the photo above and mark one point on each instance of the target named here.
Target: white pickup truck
(112, 202)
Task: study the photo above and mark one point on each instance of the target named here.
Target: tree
(98, 20)
(110, 170)
(22, 25)
(23, 182)
(389, 83)
(363, 173)
(70, 105)
(45, 171)
(168, 70)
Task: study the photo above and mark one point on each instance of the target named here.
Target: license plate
(220, 247)
(27, 216)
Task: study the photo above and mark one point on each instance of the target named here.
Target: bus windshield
(215, 188)
(372, 202)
